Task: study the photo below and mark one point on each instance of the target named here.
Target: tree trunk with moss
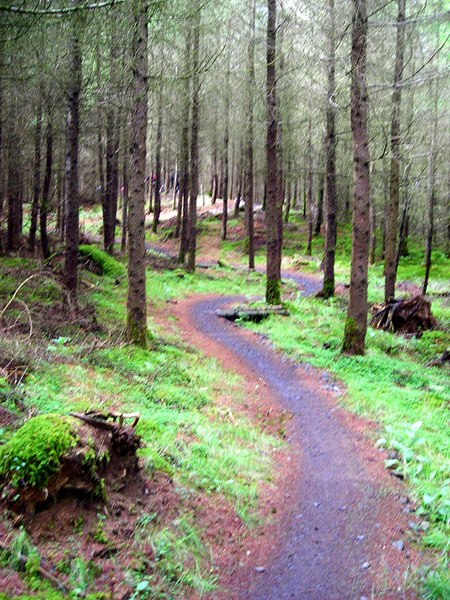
(43, 213)
(273, 203)
(72, 177)
(249, 150)
(195, 159)
(137, 297)
(157, 203)
(390, 269)
(310, 195)
(36, 178)
(330, 149)
(356, 322)
(182, 226)
(226, 143)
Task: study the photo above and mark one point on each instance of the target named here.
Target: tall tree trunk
(13, 193)
(137, 295)
(431, 197)
(195, 161)
(319, 215)
(356, 321)
(45, 246)
(373, 233)
(100, 150)
(126, 193)
(72, 179)
(157, 204)
(183, 200)
(274, 205)
(36, 178)
(112, 182)
(310, 196)
(2, 191)
(175, 186)
(226, 140)
(61, 216)
(390, 270)
(330, 160)
(287, 212)
(404, 223)
(214, 179)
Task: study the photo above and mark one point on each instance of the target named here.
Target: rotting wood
(410, 315)
(100, 419)
(252, 314)
(42, 572)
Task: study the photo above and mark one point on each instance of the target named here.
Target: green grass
(206, 447)
(214, 449)
(392, 384)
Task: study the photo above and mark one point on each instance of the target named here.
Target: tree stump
(84, 454)
(411, 315)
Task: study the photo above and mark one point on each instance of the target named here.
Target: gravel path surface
(337, 539)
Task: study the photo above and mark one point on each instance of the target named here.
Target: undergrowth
(392, 384)
(206, 447)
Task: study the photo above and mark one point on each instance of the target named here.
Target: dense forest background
(207, 116)
(167, 166)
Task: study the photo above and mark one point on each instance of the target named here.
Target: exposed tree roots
(411, 315)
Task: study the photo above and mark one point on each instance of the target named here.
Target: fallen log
(410, 315)
(441, 361)
(23, 560)
(251, 314)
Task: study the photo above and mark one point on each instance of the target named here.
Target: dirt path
(342, 514)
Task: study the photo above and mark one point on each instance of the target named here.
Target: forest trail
(342, 519)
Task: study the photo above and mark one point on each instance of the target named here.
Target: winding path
(345, 511)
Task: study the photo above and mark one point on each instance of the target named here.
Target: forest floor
(262, 466)
(340, 529)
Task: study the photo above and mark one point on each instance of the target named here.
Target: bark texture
(330, 150)
(137, 299)
(36, 178)
(226, 142)
(45, 245)
(394, 184)
(249, 150)
(356, 321)
(183, 200)
(72, 177)
(195, 159)
(273, 203)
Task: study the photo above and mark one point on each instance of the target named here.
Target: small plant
(78, 524)
(142, 590)
(82, 575)
(19, 548)
(142, 529)
(100, 533)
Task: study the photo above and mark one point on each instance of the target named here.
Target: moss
(328, 289)
(352, 343)
(34, 452)
(136, 333)
(273, 291)
(109, 265)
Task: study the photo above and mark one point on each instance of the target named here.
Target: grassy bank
(187, 432)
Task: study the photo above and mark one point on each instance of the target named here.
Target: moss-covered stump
(101, 262)
(52, 454)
